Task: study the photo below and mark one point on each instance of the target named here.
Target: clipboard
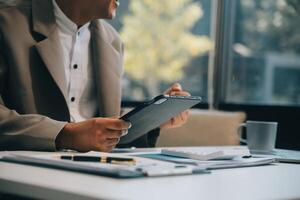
(155, 112)
(71, 166)
(108, 171)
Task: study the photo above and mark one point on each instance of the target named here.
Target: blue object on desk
(159, 156)
(281, 155)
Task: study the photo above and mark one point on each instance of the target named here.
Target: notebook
(207, 153)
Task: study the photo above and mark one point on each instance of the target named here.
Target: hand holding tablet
(155, 112)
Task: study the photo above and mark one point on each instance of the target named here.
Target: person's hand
(97, 134)
(180, 119)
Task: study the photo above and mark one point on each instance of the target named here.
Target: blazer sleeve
(26, 132)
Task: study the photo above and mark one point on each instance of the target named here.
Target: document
(213, 164)
(209, 157)
(104, 164)
(207, 153)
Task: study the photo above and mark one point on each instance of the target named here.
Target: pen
(103, 159)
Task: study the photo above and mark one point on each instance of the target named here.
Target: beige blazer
(33, 90)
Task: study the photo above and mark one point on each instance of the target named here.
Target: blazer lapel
(49, 48)
(108, 64)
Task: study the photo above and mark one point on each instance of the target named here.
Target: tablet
(155, 112)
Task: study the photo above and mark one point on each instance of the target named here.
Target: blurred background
(236, 54)
(170, 41)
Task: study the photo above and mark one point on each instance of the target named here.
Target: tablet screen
(155, 112)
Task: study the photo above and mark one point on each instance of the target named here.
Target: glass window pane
(165, 42)
(263, 65)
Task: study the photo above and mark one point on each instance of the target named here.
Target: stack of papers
(212, 164)
(209, 157)
(235, 163)
(207, 153)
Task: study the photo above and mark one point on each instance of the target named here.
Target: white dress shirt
(76, 48)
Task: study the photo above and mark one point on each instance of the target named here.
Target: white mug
(261, 136)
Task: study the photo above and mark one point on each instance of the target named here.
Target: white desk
(278, 181)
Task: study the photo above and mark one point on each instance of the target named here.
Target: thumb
(176, 86)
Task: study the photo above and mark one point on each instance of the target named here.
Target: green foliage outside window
(159, 41)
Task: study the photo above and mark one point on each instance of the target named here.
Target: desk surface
(277, 181)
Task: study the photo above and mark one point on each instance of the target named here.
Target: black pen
(103, 159)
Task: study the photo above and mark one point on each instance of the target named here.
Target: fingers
(108, 139)
(100, 134)
(109, 132)
(180, 93)
(113, 124)
(176, 90)
(112, 134)
(175, 87)
(104, 148)
(177, 121)
(105, 144)
(184, 116)
(124, 132)
(112, 142)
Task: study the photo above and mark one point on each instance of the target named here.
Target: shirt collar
(64, 23)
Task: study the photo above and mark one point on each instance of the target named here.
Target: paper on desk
(213, 164)
(55, 157)
(143, 166)
(133, 150)
(53, 161)
(235, 163)
(228, 152)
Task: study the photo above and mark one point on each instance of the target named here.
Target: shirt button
(75, 66)
(72, 99)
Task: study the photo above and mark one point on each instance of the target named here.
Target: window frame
(287, 116)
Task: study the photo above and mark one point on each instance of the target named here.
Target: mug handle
(239, 132)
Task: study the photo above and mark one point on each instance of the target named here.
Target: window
(169, 41)
(165, 42)
(262, 47)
